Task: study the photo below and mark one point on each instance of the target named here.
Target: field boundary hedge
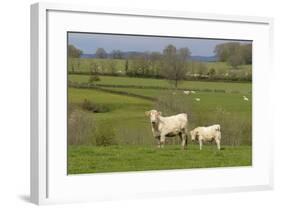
(96, 85)
(214, 78)
(92, 86)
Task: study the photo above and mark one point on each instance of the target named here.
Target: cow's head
(193, 134)
(154, 116)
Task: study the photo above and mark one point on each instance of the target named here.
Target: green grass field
(150, 82)
(91, 159)
(136, 149)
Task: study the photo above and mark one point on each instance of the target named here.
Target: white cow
(197, 99)
(207, 134)
(186, 92)
(245, 98)
(170, 126)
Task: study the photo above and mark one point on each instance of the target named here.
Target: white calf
(206, 134)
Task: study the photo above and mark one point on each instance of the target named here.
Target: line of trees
(173, 64)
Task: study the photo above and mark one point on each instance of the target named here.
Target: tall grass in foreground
(83, 129)
(80, 129)
(236, 130)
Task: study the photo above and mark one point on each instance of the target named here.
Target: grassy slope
(209, 101)
(110, 80)
(127, 117)
(126, 113)
(90, 159)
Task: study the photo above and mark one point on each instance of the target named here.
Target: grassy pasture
(92, 159)
(209, 100)
(136, 149)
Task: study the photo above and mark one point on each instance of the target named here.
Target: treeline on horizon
(172, 63)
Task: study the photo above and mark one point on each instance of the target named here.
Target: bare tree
(126, 66)
(174, 64)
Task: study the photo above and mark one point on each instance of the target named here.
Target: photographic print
(143, 103)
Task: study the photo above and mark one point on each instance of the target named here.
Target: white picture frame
(49, 180)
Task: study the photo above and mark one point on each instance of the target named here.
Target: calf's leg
(200, 143)
(218, 144)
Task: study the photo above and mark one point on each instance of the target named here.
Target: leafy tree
(235, 60)
(101, 53)
(212, 72)
(73, 52)
(184, 53)
(117, 54)
(225, 50)
(234, 53)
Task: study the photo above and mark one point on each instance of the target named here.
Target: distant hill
(133, 53)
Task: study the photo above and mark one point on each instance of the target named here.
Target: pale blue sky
(88, 43)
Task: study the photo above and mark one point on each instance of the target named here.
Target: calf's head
(193, 135)
(154, 116)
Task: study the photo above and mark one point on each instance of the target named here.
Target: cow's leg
(183, 140)
(162, 140)
(186, 140)
(158, 141)
(186, 137)
(218, 143)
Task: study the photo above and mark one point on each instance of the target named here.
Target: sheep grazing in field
(186, 92)
(170, 126)
(207, 134)
(197, 99)
(245, 98)
(193, 92)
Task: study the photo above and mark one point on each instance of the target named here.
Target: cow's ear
(147, 113)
